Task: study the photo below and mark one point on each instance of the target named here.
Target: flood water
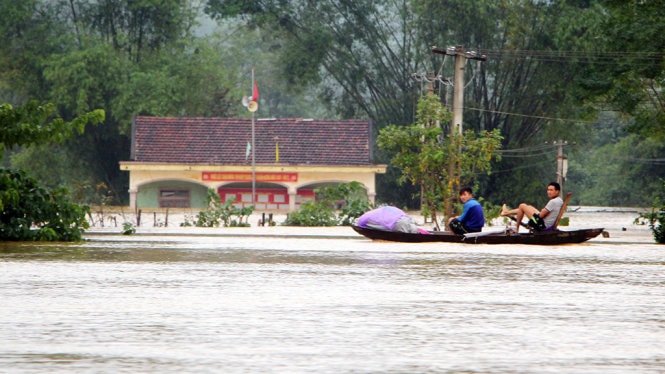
(334, 304)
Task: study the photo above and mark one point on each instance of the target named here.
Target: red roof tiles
(224, 141)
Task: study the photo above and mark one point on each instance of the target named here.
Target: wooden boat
(552, 237)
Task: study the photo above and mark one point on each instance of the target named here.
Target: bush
(351, 197)
(656, 221)
(33, 213)
(312, 213)
(219, 213)
(128, 228)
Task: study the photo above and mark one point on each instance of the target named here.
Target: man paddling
(538, 220)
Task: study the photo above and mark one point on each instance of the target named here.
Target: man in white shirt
(538, 220)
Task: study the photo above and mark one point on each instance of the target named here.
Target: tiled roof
(224, 141)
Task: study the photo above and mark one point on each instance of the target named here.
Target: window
(279, 198)
(262, 198)
(172, 198)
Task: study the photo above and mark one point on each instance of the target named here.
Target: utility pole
(458, 105)
(458, 81)
(253, 149)
(561, 163)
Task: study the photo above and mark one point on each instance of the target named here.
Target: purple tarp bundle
(388, 218)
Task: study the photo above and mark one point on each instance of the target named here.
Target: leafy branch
(435, 161)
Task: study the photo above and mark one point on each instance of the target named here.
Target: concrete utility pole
(253, 150)
(561, 163)
(458, 83)
(458, 104)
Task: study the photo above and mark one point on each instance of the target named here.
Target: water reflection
(233, 304)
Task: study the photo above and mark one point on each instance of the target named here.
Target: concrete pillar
(293, 193)
(133, 193)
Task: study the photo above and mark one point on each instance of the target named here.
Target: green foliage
(634, 82)
(136, 28)
(34, 124)
(435, 161)
(312, 213)
(362, 51)
(656, 221)
(357, 57)
(625, 172)
(128, 57)
(490, 211)
(655, 218)
(30, 212)
(219, 213)
(60, 169)
(128, 228)
(352, 198)
(44, 136)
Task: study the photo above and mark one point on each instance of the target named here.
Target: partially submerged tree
(424, 153)
(29, 211)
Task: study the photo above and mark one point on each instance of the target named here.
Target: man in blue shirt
(472, 218)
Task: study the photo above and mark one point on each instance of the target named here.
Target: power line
(549, 153)
(528, 149)
(529, 116)
(568, 55)
(521, 166)
(656, 161)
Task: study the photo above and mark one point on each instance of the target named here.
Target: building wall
(148, 195)
(146, 180)
(267, 198)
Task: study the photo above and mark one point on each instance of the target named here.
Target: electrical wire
(656, 161)
(521, 166)
(597, 58)
(529, 149)
(529, 116)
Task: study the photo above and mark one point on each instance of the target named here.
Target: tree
(128, 57)
(365, 54)
(29, 211)
(622, 84)
(655, 219)
(322, 211)
(423, 153)
(135, 28)
(634, 39)
(362, 52)
(525, 88)
(34, 124)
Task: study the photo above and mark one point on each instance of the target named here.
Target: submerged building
(175, 161)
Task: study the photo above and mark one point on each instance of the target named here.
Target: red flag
(255, 95)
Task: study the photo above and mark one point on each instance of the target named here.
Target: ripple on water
(307, 305)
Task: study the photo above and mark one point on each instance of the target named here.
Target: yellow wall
(145, 173)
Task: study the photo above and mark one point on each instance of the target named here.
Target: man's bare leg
(521, 211)
(528, 211)
(505, 212)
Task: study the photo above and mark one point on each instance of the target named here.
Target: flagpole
(253, 150)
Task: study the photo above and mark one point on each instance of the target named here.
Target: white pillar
(132, 197)
(293, 194)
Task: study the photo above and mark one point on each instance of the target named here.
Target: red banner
(239, 176)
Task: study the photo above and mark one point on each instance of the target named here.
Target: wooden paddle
(521, 223)
(563, 209)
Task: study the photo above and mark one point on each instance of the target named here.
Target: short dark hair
(465, 189)
(555, 185)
